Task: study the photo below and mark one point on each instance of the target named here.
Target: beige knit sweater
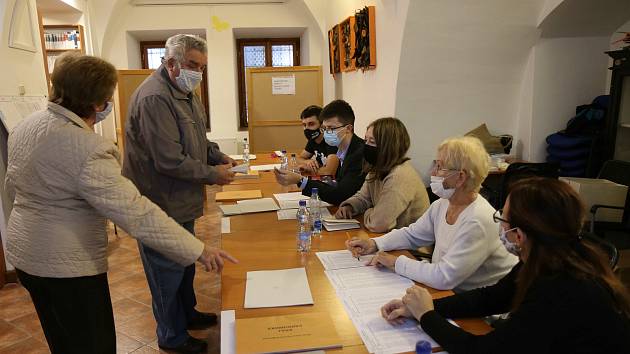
(396, 201)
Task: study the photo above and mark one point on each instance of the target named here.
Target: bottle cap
(314, 190)
(422, 347)
(302, 202)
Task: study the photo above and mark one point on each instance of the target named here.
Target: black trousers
(75, 313)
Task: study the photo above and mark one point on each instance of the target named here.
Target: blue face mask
(331, 138)
(100, 116)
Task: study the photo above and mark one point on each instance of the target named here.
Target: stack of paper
(240, 168)
(240, 157)
(291, 214)
(363, 291)
(238, 195)
(249, 206)
(247, 175)
(332, 224)
(342, 259)
(268, 167)
(292, 200)
(276, 288)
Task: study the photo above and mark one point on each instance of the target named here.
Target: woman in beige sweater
(393, 195)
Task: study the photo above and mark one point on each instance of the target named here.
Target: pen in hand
(354, 254)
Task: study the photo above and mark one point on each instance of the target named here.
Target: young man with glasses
(338, 128)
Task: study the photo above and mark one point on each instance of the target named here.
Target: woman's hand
(418, 301)
(383, 259)
(344, 212)
(395, 312)
(361, 246)
(212, 259)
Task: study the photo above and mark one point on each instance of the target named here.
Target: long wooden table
(262, 242)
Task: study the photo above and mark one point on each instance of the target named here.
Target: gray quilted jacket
(65, 181)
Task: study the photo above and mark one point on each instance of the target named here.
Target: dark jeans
(75, 313)
(172, 291)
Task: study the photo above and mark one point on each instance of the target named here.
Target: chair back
(519, 170)
(619, 172)
(609, 249)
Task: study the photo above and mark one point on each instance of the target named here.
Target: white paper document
(363, 291)
(332, 224)
(228, 330)
(268, 167)
(225, 225)
(283, 85)
(295, 204)
(289, 196)
(291, 214)
(277, 288)
(249, 206)
(342, 259)
(240, 157)
(240, 168)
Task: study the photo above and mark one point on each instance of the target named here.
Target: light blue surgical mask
(100, 116)
(511, 247)
(331, 138)
(188, 80)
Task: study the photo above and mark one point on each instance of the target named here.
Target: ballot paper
(277, 288)
(341, 259)
(291, 214)
(332, 224)
(240, 168)
(225, 225)
(249, 206)
(240, 157)
(363, 291)
(267, 167)
(292, 200)
(228, 322)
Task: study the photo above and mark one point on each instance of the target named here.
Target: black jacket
(560, 314)
(349, 176)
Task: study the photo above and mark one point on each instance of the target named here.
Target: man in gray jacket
(169, 159)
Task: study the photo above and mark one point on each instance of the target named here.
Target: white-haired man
(169, 158)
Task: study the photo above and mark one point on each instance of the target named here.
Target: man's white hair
(179, 44)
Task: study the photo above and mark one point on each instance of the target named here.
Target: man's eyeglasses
(332, 130)
(497, 217)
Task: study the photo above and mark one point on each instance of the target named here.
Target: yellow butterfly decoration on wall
(219, 25)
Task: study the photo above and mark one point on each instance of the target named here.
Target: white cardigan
(467, 255)
(66, 181)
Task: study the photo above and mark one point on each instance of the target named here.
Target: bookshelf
(59, 39)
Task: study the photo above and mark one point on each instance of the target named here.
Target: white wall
(372, 94)
(120, 48)
(568, 72)
(462, 64)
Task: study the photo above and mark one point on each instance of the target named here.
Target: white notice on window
(283, 85)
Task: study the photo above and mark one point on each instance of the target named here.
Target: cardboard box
(600, 191)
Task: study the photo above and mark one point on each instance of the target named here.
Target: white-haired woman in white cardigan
(468, 253)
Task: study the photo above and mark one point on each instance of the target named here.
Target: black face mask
(370, 153)
(312, 134)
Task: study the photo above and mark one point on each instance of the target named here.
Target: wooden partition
(128, 82)
(274, 119)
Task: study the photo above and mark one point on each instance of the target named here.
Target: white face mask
(511, 247)
(100, 116)
(437, 187)
(188, 80)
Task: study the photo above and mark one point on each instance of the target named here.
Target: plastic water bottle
(284, 161)
(304, 228)
(315, 207)
(293, 165)
(423, 347)
(245, 151)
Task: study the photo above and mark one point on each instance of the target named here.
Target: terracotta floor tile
(142, 296)
(31, 325)
(148, 350)
(27, 346)
(127, 309)
(140, 328)
(12, 292)
(10, 334)
(18, 308)
(130, 284)
(126, 344)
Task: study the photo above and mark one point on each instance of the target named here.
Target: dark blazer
(349, 176)
(560, 314)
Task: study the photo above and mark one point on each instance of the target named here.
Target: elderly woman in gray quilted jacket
(65, 181)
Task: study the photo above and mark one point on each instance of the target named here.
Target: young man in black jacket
(338, 127)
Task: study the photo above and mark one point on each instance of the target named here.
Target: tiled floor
(20, 331)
